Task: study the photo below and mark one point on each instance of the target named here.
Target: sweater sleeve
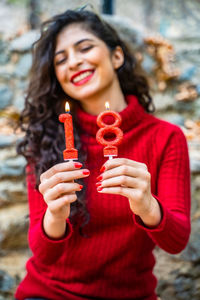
(173, 196)
(46, 250)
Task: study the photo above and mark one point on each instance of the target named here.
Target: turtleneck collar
(131, 115)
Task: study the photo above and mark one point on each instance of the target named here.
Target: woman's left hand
(131, 179)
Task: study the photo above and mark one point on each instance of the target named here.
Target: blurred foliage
(22, 2)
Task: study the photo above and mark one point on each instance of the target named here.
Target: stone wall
(179, 275)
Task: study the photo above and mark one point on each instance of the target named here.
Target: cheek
(98, 56)
(60, 74)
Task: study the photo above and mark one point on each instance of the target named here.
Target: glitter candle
(70, 153)
(110, 148)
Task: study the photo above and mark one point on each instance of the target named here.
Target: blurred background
(165, 38)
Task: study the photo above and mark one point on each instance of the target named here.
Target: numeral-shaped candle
(110, 148)
(70, 153)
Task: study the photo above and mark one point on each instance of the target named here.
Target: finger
(65, 166)
(124, 170)
(113, 163)
(118, 190)
(122, 180)
(59, 189)
(59, 203)
(61, 177)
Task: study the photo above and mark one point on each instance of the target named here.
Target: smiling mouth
(82, 78)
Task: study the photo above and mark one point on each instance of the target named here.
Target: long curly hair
(43, 142)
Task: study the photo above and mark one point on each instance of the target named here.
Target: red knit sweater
(115, 261)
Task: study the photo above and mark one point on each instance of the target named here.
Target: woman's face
(84, 66)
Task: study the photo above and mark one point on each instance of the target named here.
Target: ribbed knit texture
(115, 261)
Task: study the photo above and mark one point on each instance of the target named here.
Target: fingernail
(99, 189)
(99, 178)
(80, 186)
(86, 172)
(77, 165)
(98, 184)
(102, 169)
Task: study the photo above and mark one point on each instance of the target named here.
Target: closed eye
(60, 61)
(85, 49)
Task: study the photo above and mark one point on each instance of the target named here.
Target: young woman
(93, 228)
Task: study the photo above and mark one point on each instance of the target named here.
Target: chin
(84, 95)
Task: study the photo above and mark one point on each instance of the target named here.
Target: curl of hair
(43, 142)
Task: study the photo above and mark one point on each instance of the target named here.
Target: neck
(96, 104)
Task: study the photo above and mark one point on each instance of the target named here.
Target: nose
(74, 60)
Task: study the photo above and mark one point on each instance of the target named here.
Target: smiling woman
(81, 71)
(92, 234)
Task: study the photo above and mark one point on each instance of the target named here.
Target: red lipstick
(84, 79)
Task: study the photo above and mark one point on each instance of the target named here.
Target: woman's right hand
(59, 190)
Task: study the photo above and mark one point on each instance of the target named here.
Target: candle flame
(107, 105)
(67, 108)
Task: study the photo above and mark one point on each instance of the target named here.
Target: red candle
(110, 148)
(70, 152)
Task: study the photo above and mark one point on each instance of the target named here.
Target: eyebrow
(76, 44)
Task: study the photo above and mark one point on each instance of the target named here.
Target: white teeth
(82, 76)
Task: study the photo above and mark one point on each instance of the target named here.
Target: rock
(13, 18)
(5, 73)
(24, 42)
(187, 288)
(7, 140)
(196, 271)
(148, 63)
(162, 285)
(23, 66)
(183, 284)
(22, 84)
(188, 73)
(14, 262)
(164, 101)
(194, 153)
(197, 109)
(4, 58)
(195, 165)
(16, 162)
(191, 252)
(182, 106)
(168, 292)
(14, 226)
(12, 192)
(184, 287)
(5, 96)
(19, 103)
(5, 154)
(196, 181)
(4, 55)
(128, 30)
(12, 167)
(6, 282)
(173, 118)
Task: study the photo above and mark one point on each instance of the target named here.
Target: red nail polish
(86, 172)
(80, 186)
(99, 178)
(99, 189)
(98, 184)
(102, 169)
(77, 165)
